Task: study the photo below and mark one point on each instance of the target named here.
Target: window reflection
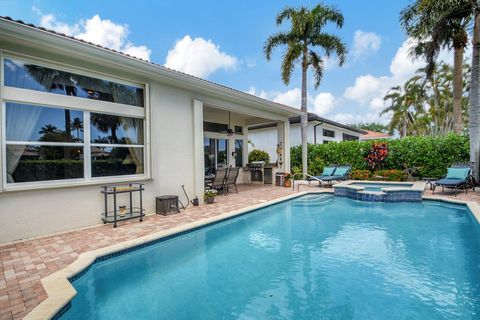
(239, 153)
(25, 75)
(119, 161)
(27, 163)
(110, 129)
(33, 123)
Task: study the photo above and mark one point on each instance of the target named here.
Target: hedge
(427, 156)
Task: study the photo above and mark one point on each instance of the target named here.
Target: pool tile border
(60, 290)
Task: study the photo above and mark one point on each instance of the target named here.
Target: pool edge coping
(60, 291)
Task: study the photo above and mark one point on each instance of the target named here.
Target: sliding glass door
(215, 153)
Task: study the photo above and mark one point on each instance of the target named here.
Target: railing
(303, 175)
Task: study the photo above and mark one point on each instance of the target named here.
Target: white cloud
(324, 103)
(368, 117)
(369, 90)
(262, 94)
(291, 98)
(103, 32)
(198, 57)
(365, 43)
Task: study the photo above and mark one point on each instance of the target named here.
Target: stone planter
(210, 200)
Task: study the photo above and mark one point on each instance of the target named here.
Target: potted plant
(288, 180)
(210, 195)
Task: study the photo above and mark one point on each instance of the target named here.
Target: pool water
(379, 186)
(314, 257)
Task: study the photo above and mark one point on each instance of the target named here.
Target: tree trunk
(304, 118)
(474, 100)
(457, 90)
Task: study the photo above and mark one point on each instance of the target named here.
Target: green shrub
(430, 156)
(361, 174)
(392, 175)
(259, 155)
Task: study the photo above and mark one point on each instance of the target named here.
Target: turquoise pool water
(315, 257)
(379, 186)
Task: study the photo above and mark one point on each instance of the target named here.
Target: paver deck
(24, 263)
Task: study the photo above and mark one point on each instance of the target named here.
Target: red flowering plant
(377, 155)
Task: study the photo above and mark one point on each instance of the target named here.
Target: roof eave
(84, 50)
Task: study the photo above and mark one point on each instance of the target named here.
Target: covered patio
(223, 129)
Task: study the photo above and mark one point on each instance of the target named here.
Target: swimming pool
(312, 257)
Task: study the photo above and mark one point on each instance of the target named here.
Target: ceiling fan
(229, 130)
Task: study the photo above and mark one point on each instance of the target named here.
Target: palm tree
(107, 124)
(456, 10)
(77, 124)
(48, 129)
(306, 33)
(424, 21)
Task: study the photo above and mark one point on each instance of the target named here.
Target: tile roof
(375, 135)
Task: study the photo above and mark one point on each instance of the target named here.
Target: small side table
(430, 182)
(131, 212)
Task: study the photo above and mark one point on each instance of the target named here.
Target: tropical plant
(77, 125)
(372, 126)
(377, 154)
(423, 105)
(48, 129)
(258, 155)
(306, 33)
(445, 13)
(432, 28)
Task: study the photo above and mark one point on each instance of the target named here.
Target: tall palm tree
(455, 10)
(48, 129)
(305, 34)
(77, 125)
(424, 20)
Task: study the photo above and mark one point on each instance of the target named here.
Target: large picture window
(43, 143)
(63, 141)
(21, 74)
(116, 145)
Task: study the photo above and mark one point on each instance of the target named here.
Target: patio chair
(231, 179)
(218, 183)
(328, 172)
(458, 176)
(341, 174)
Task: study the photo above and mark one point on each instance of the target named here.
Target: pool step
(313, 201)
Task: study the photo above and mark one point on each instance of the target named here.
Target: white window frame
(32, 97)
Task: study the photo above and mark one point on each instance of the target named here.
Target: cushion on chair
(451, 182)
(328, 171)
(457, 173)
(341, 171)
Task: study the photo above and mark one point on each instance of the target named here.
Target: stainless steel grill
(256, 171)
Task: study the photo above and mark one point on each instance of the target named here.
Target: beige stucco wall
(25, 214)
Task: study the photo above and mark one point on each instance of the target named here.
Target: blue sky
(222, 41)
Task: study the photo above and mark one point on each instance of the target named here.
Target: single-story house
(374, 135)
(319, 130)
(75, 116)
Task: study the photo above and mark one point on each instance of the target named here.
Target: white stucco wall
(38, 212)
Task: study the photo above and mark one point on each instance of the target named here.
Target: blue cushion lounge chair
(341, 174)
(458, 176)
(327, 173)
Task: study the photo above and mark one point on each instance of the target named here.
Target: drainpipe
(315, 132)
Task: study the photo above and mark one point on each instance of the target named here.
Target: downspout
(315, 132)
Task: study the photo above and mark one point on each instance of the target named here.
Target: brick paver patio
(24, 263)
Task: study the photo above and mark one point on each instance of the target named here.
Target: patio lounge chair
(231, 179)
(458, 176)
(341, 174)
(327, 173)
(218, 182)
